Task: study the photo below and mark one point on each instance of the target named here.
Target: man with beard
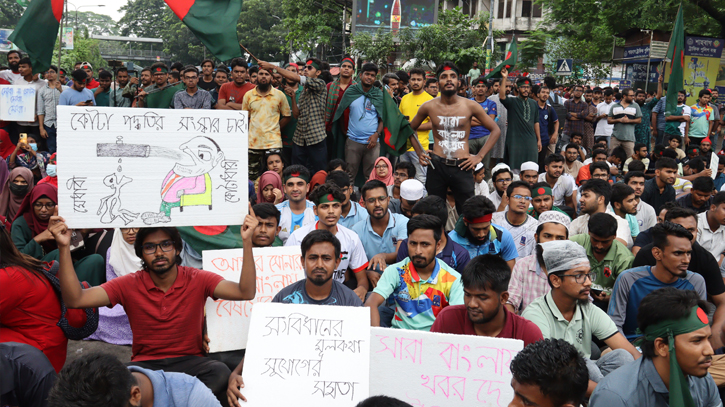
(452, 164)
(608, 258)
(678, 123)
(116, 98)
(596, 194)
(231, 94)
(711, 228)
(672, 249)
(591, 119)
(497, 152)
(577, 110)
(521, 225)
(163, 297)
(409, 106)
(642, 133)
(640, 154)
(103, 91)
(479, 133)
(623, 204)
(193, 97)
(624, 116)
(421, 285)
(269, 112)
(572, 164)
(524, 143)
(501, 178)
(529, 172)
(12, 74)
(542, 200)
(675, 350)
(161, 94)
(562, 185)
(133, 86)
(337, 88)
(646, 217)
(699, 198)
(485, 291)
(77, 94)
(709, 156)
(566, 313)
(659, 189)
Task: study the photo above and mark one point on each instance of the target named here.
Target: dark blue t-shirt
(297, 294)
(546, 115)
(489, 106)
(452, 254)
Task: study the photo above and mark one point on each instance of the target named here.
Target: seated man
(475, 232)
(421, 285)
(700, 197)
(529, 172)
(608, 258)
(672, 250)
(562, 185)
(485, 285)
(644, 237)
(595, 198)
(266, 234)
(296, 211)
(351, 212)
(550, 372)
(646, 217)
(711, 228)
(26, 375)
(542, 201)
(404, 170)
(675, 359)
(528, 282)
(640, 154)
(328, 200)
(411, 191)
(521, 225)
(623, 204)
(501, 177)
(566, 313)
(96, 379)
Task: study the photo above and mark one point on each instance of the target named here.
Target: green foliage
(261, 29)
(375, 49)
(10, 12)
(311, 23)
(144, 18)
(93, 23)
(84, 49)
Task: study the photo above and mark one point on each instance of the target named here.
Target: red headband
(447, 68)
(480, 219)
(348, 60)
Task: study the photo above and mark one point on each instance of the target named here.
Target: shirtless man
(451, 164)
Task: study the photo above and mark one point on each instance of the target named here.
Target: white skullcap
(478, 167)
(562, 255)
(530, 166)
(555, 217)
(412, 190)
(500, 166)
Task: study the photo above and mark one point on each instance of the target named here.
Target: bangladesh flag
(508, 62)
(676, 55)
(213, 22)
(37, 31)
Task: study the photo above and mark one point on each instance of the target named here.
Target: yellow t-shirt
(409, 106)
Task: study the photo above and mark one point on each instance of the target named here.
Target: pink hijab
(268, 178)
(374, 174)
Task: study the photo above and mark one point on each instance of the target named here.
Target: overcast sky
(110, 7)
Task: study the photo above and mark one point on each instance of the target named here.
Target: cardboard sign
(307, 355)
(17, 103)
(125, 167)
(227, 322)
(431, 369)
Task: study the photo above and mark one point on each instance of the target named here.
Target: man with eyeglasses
(403, 170)
(164, 301)
(193, 97)
(520, 224)
(566, 313)
(502, 178)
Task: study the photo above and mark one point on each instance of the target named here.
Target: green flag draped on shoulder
(37, 31)
(509, 62)
(213, 22)
(676, 55)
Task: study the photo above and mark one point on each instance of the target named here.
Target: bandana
(348, 60)
(449, 68)
(328, 199)
(679, 387)
(161, 69)
(313, 64)
(480, 219)
(297, 175)
(523, 81)
(693, 150)
(541, 191)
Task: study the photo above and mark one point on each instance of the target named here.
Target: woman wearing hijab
(27, 155)
(382, 171)
(317, 180)
(51, 170)
(16, 187)
(31, 235)
(113, 326)
(270, 188)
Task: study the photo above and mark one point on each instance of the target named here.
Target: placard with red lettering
(228, 321)
(430, 369)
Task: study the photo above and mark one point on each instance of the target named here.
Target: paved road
(77, 349)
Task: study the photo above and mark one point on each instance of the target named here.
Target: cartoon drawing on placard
(110, 208)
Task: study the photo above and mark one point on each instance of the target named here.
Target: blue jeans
(314, 156)
(607, 364)
(412, 157)
(51, 141)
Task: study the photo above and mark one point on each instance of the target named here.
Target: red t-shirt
(92, 84)
(29, 312)
(164, 324)
(454, 320)
(233, 93)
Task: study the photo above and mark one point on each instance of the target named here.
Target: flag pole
(250, 54)
(60, 36)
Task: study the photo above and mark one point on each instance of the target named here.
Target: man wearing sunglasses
(164, 301)
(566, 313)
(521, 225)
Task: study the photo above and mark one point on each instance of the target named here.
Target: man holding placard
(164, 301)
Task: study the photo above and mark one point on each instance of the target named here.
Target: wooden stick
(250, 54)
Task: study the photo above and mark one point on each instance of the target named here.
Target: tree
(262, 31)
(144, 18)
(84, 50)
(375, 49)
(311, 23)
(10, 12)
(93, 23)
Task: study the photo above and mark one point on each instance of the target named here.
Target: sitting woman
(29, 306)
(317, 180)
(113, 326)
(273, 161)
(50, 169)
(18, 185)
(382, 171)
(270, 188)
(27, 155)
(31, 235)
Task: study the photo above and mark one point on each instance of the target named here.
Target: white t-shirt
(604, 128)
(10, 76)
(712, 241)
(686, 111)
(352, 251)
(481, 188)
(523, 235)
(646, 216)
(580, 225)
(563, 188)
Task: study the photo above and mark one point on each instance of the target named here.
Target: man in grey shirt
(192, 97)
(46, 103)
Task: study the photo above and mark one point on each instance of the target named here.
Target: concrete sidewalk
(77, 349)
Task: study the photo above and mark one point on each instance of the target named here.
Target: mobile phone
(23, 138)
(89, 101)
(76, 241)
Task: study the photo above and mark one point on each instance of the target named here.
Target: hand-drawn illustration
(110, 207)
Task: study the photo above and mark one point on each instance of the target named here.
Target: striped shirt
(201, 99)
(528, 282)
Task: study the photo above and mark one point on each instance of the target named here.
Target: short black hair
(485, 272)
(636, 166)
(105, 75)
(501, 171)
(640, 91)
(430, 80)
(325, 189)
(94, 379)
(703, 184)
(639, 146)
(79, 75)
(334, 163)
(661, 231)
(205, 61)
(339, 178)
(666, 162)
(190, 69)
(599, 151)
(599, 165)
(121, 69)
(432, 205)
(369, 67)
(408, 166)
(239, 62)
(602, 225)
(620, 191)
(675, 137)
(665, 304)
(319, 236)
(296, 168)
(550, 82)
(372, 184)
(556, 368)
(554, 158)
(253, 69)
(704, 92)
(14, 51)
(382, 401)
(541, 227)
(445, 66)
(25, 61)
(719, 198)
(517, 184)
(680, 212)
(572, 145)
(179, 66)
(143, 233)
(608, 92)
(416, 71)
(633, 174)
(388, 76)
(477, 206)
(599, 187)
(266, 210)
(696, 164)
(619, 152)
(428, 222)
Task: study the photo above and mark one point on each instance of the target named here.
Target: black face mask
(18, 190)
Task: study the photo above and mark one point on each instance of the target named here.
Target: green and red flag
(37, 31)
(676, 55)
(509, 61)
(213, 22)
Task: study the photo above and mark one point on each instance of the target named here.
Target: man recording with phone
(78, 94)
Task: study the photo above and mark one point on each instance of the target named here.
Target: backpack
(558, 105)
(71, 332)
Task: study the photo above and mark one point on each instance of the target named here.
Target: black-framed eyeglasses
(580, 278)
(381, 166)
(130, 230)
(40, 205)
(502, 180)
(380, 199)
(150, 248)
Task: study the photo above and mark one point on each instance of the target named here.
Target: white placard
(227, 322)
(307, 355)
(125, 167)
(17, 103)
(431, 369)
